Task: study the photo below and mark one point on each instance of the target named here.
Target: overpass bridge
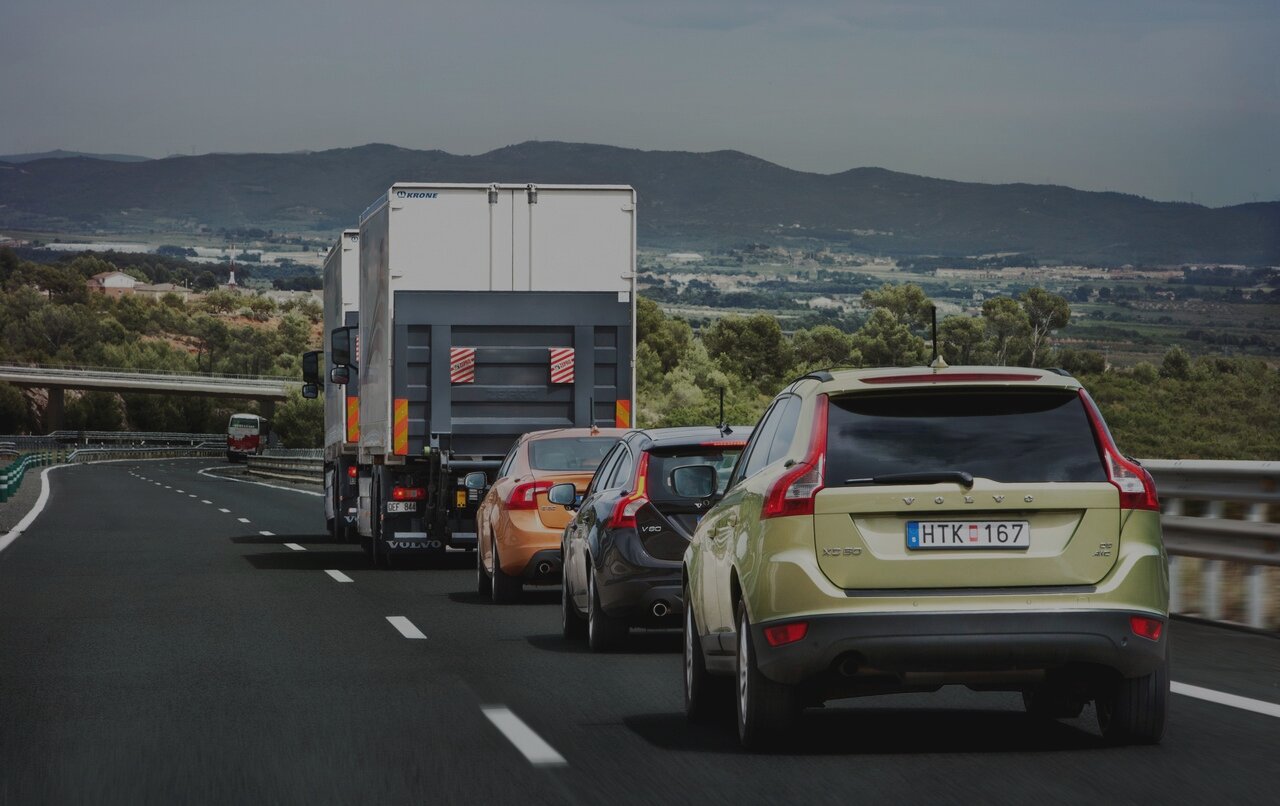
(265, 389)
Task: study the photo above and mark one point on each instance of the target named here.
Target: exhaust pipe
(544, 568)
(660, 609)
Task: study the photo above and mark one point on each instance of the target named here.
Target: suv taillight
(624, 512)
(793, 493)
(1137, 488)
(525, 496)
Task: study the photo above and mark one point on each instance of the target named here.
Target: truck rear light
(793, 492)
(352, 471)
(780, 634)
(408, 493)
(1144, 627)
(525, 496)
(624, 512)
(1137, 488)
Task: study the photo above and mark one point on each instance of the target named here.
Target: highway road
(168, 636)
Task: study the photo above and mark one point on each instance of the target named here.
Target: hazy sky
(1172, 99)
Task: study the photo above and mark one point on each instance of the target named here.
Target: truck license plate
(402, 506)
(968, 535)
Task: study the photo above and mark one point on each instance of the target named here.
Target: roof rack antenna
(725, 430)
(938, 361)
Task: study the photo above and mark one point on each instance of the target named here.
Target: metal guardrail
(297, 464)
(86, 368)
(85, 455)
(60, 438)
(1209, 552)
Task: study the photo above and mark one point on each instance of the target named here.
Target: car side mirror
(475, 481)
(695, 481)
(310, 391)
(340, 375)
(565, 494)
(311, 367)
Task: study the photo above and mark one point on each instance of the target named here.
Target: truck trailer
(485, 311)
(341, 416)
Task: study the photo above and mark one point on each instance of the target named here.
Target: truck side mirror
(311, 367)
(340, 347)
(339, 376)
(310, 391)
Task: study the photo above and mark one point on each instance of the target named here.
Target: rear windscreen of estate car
(996, 434)
(569, 454)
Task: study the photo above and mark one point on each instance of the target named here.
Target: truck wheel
(705, 696)
(766, 709)
(484, 586)
(506, 588)
(571, 623)
(604, 632)
(1133, 710)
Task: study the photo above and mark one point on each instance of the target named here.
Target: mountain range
(692, 200)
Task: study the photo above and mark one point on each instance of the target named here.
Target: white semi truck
(485, 311)
(341, 416)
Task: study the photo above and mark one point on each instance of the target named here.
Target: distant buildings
(112, 283)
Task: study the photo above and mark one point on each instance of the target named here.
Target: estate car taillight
(780, 634)
(793, 493)
(525, 496)
(1137, 488)
(624, 512)
(1149, 628)
(408, 493)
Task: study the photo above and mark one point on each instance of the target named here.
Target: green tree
(962, 338)
(299, 422)
(908, 303)
(884, 341)
(1176, 364)
(1007, 325)
(753, 348)
(95, 411)
(824, 346)
(668, 337)
(1046, 312)
(221, 302)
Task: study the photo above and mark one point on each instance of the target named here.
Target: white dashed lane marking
(294, 546)
(530, 744)
(406, 628)
(243, 520)
(267, 534)
(205, 502)
(338, 575)
(220, 509)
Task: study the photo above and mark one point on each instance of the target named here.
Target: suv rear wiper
(931, 477)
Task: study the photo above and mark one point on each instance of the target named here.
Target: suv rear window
(569, 453)
(996, 434)
(658, 485)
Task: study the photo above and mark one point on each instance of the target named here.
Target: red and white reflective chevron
(462, 365)
(562, 365)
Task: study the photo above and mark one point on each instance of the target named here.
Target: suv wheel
(483, 583)
(603, 631)
(571, 623)
(506, 588)
(765, 708)
(1132, 710)
(704, 695)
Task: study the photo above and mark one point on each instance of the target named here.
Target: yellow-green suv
(898, 530)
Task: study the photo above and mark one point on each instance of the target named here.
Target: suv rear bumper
(954, 644)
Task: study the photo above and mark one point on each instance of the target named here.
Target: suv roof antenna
(725, 430)
(938, 361)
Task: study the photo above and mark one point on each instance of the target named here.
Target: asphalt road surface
(171, 637)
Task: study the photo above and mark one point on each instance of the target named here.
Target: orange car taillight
(624, 512)
(793, 493)
(1137, 488)
(525, 496)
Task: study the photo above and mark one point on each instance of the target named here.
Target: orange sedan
(517, 530)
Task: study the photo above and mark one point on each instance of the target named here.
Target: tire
(766, 710)
(1133, 710)
(604, 632)
(484, 586)
(705, 696)
(505, 588)
(572, 625)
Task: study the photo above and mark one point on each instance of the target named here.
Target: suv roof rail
(1060, 371)
(818, 375)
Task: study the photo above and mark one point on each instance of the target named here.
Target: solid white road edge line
(1222, 698)
(406, 628)
(530, 744)
(42, 499)
(202, 472)
(338, 575)
(294, 546)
